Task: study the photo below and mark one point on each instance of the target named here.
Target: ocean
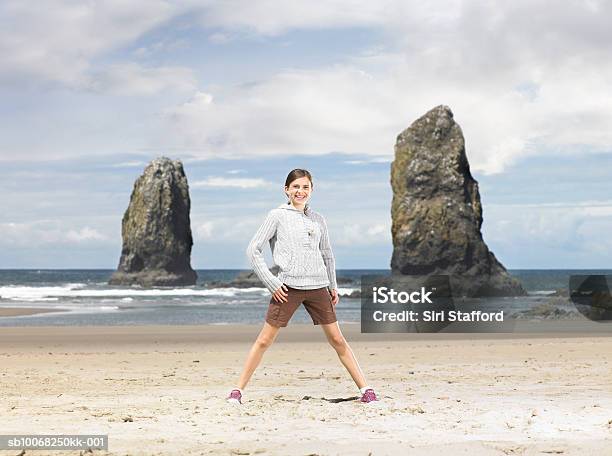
(85, 298)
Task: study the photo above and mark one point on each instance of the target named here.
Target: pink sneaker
(235, 397)
(369, 396)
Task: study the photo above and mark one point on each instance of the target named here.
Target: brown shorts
(318, 303)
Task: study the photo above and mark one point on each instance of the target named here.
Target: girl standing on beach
(300, 247)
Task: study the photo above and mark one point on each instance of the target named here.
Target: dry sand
(160, 390)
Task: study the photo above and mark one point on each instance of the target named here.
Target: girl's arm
(328, 256)
(255, 253)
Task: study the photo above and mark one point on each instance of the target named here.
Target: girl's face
(299, 191)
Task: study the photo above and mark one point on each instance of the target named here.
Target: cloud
(310, 112)
(129, 164)
(272, 18)
(314, 112)
(520, 76)
(85, 234)
(579, 227)
(47, 233)
(224, 229)
(59, 44)
(203, 230)
(368, 161)
(220, 38)
(164, 45)
(362, 234)
(231, 182)
(134, 79)
(516, 86)
(346, 109)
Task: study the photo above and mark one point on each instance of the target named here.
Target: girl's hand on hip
(334, 296)
(281, 294)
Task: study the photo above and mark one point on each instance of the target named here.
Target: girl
(301, 249)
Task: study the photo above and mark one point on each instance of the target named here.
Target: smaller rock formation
(156, 229)
(436, 211)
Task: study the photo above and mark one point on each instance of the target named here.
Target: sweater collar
(289, 207)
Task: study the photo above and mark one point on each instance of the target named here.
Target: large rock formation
(436, 211)
(156, 229)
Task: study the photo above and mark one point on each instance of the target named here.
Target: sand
(160, 390)
(19, 311)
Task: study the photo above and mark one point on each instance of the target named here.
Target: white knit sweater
(300, 247)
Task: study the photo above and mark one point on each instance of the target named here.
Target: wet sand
(19, 311)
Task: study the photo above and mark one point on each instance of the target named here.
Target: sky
(242, 92)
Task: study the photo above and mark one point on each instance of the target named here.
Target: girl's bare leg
(337, 340)
(264, 340)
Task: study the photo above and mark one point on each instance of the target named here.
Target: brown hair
(296, 174)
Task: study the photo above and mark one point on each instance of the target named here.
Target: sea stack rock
(156, 229)
(436, 211)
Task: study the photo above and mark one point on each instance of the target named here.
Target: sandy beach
(160, 389)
